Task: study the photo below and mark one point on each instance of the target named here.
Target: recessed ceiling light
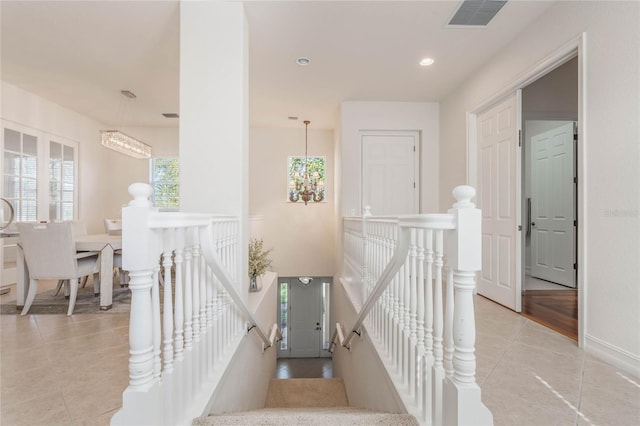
(303, 62)
(425, 62)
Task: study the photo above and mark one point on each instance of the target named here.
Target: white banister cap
(141, 193)
(463, 195)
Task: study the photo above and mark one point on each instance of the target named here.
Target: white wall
(104, 175)
(302, 237)
(610, 146)
(419, 116)
(245, 382)
(365, 378)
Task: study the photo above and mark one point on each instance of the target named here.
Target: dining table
(104, 244)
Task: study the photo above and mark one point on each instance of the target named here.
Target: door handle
(529, 223)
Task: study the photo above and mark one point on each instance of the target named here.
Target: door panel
(497, 197)
(305, 308)
(552, 206)
(389, 172)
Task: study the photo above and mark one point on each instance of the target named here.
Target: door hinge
(414, 148)
(519, 137)
(575, 223)
(575, 179)
(414, 185)
(575, 131)
(519, 227)
(575, 266)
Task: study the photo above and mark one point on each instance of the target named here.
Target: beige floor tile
(47, 409)
(536, 335)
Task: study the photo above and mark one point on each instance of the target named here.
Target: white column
(214, 112)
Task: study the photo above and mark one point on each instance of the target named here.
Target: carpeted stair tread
(308, 416)
(289, 393)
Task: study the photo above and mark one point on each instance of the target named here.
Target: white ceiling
(79, 54)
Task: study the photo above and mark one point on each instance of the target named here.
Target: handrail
(208, 251)
(433, 221)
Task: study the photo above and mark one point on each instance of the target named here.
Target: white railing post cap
(141, 193)
(463, 195)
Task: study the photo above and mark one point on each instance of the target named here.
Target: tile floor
(72, 371)
(304, 368)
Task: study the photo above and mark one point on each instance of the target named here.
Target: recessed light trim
(425, 62)
(303, 61)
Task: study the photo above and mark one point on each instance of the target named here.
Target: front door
(390, 172)
(304, 317)
(553, 206)
(498, 177)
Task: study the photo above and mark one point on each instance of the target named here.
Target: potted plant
(259, 261)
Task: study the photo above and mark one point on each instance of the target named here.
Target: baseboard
(614, 355)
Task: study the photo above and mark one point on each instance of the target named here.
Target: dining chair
(50, 253)
(79, 229)
(113, 226)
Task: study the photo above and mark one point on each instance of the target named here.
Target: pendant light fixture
(123, 143)
(311, 187)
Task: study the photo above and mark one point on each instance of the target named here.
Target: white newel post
(462, 403)
(141, 247)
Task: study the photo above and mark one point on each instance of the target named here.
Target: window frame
(323, 177)
(152, 182)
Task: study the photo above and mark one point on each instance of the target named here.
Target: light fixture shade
(125, 144)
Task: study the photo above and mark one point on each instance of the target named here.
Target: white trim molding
(614, 355)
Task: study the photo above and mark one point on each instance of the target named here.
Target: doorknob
(318, 326)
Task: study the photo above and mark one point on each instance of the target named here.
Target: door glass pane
(284, 315)
(11, 163)
(29, 166)
(67, 211)
(326, 321)
(68, 154)
(11, 186)
(27, 210)
(29, 144)
(11, 140)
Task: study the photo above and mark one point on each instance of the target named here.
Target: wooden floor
(556, 309)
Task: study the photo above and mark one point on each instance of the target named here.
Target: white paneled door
(390, 172)
(553, 206)
(498, 194)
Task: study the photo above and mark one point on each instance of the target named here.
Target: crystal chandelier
(309, 188)
(125, 144)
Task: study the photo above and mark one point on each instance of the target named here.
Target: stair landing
(289, 393)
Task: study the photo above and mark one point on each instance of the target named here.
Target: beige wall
(104, 175)
(302, 237)
(611, 150)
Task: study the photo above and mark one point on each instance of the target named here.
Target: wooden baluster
(157, 330)
(448, 325)
(419, 350)
(412, 311)
(438, 371)
(167, 312)
(188, 294)
(179, 298)
(195, 261)
(140, 330)
(428, 326)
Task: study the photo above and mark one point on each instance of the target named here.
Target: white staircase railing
(183, 327)
(414, 277)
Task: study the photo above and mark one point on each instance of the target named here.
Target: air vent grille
(476, 12)
(170, 115)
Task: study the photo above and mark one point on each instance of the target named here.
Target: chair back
(113, 226)
(49, 250)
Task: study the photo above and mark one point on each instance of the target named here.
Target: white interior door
(306, 320)
(552, 206)
(390, 172)
(498, 197)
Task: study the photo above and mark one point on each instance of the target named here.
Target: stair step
(289, 393)
(308, 416)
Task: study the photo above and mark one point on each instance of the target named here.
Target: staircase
(307, 402)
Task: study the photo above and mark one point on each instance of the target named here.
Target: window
(165, 180)
(316, 168)
(283, 307)
(21, 173)
(62, 186)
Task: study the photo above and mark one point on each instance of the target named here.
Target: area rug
(86, 303)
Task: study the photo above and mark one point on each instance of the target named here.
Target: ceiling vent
(170, 115)
(476, 13)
